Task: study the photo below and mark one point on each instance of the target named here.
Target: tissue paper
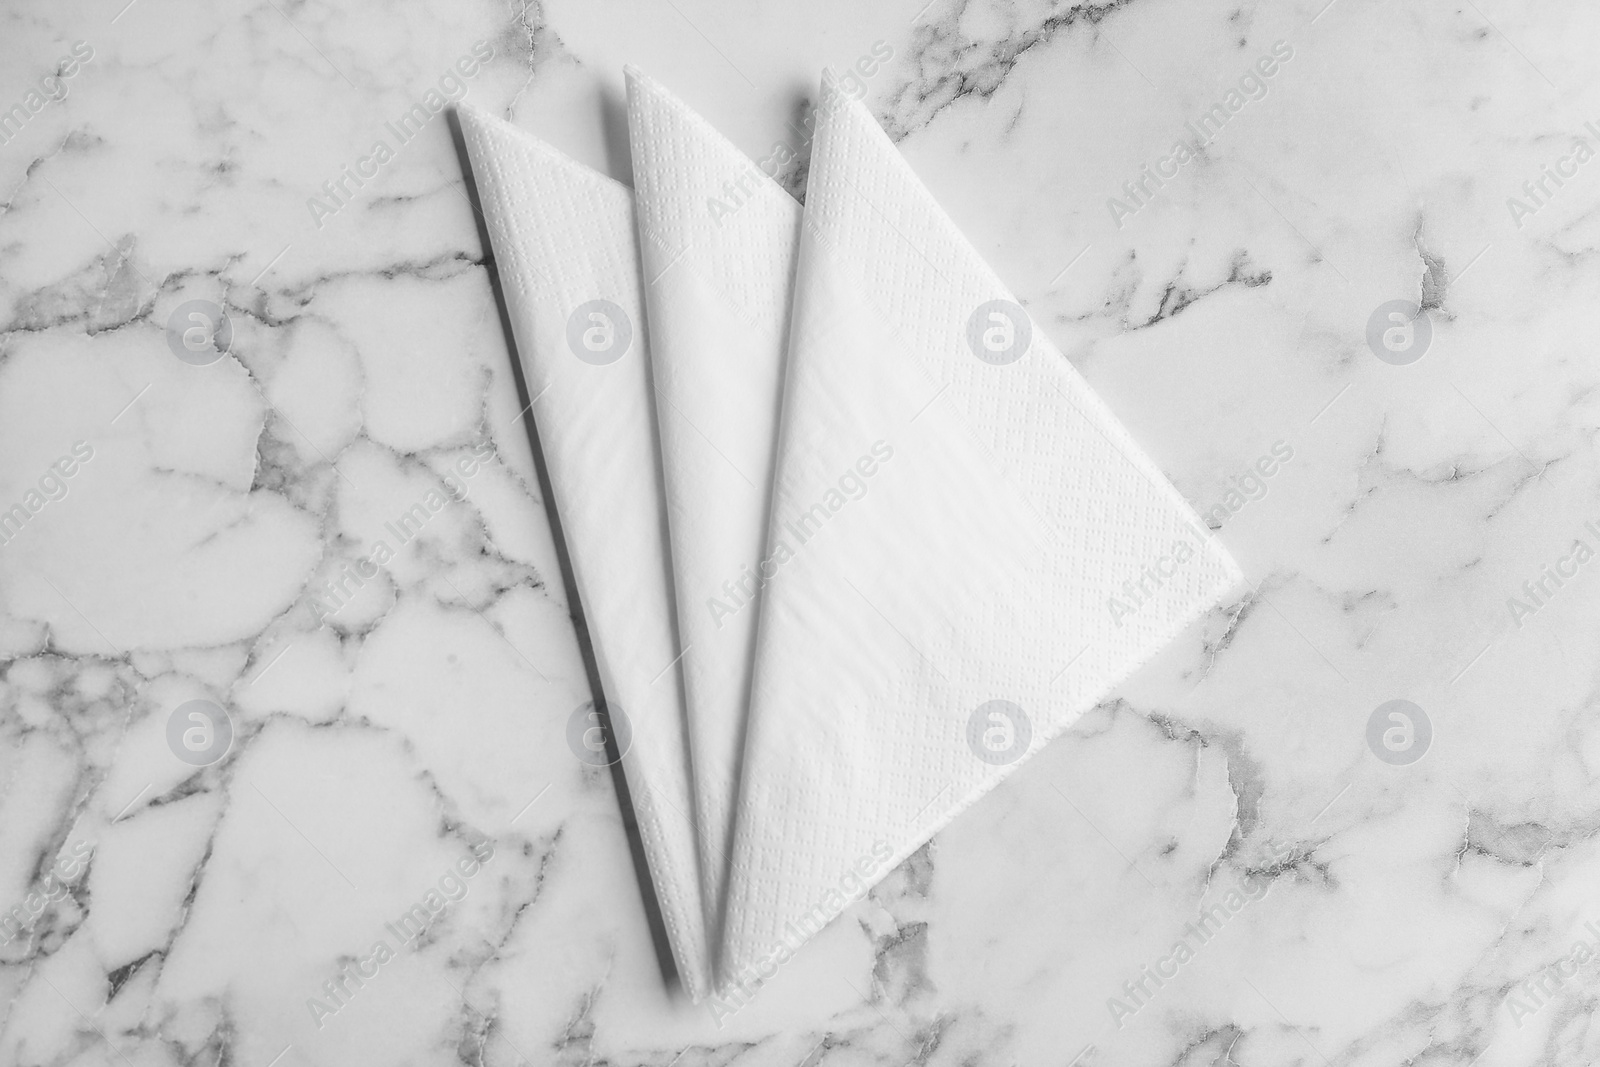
(719, 239)
(565, 248)
(970, 551)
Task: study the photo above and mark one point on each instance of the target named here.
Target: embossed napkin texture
(565, 247)
(972, 551)
(719, 239)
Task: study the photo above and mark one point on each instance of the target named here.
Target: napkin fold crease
(854, 539)
(718, 239)
(565, 248)
(975, 552)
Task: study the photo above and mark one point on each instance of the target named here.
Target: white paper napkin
(565, 247)
(973, 549)
(719, 240)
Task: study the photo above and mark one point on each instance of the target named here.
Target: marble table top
(285, 654)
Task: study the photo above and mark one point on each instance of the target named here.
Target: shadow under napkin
(619, 780)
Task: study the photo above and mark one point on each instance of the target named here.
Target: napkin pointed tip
(473, 117)
(642, 88)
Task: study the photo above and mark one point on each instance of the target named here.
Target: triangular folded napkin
(564, 244)
(718, 239)
(970, 551)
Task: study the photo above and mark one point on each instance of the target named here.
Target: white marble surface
(186, 915)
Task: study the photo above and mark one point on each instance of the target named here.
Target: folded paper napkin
(970, 551)
(564, 245)
(718, 239)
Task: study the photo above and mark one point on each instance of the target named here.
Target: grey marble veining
(1427, 533)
